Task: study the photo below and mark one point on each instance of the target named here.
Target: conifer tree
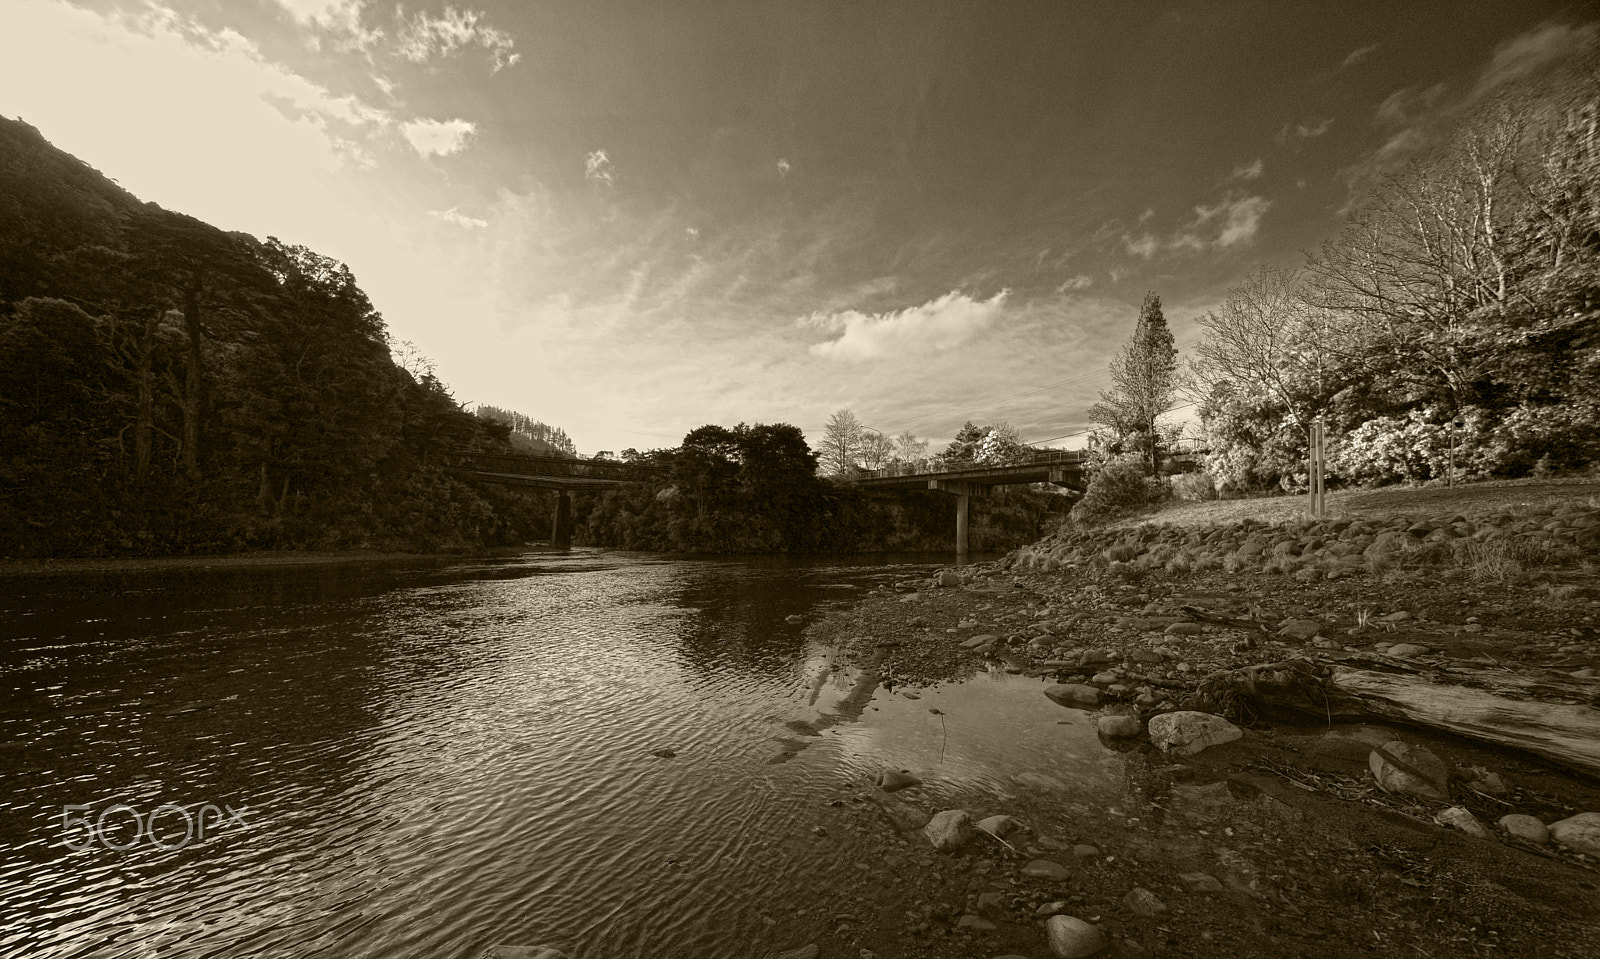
(1143, 375)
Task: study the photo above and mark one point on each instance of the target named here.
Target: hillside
(166, 387)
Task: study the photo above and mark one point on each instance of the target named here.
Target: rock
(1525, 827)
(1457, 817)
(982, 639)
(1072, 938)
(663, 753)
(975, 923)
(1201, 882)
(1185, 629)
(1118, 727)
(1143, 902)
(522, 952)
(1001, 826)
(1402, 768)
(1046, 869)
(1300, 629)
(1051, 908)
(794, 620)
(1074, 695)
(905, 816)
(949, 830)
(947, 578)
(1581, 832)
(1094, 657)
(1486, 782)
(991, 903)
(1084, 851)
(1188, 732)
(803, 952)
(1406, 650)
(892, 780)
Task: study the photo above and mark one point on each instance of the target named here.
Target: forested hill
(166, 387)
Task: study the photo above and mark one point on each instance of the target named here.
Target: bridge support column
(561, 523)
(963, 492)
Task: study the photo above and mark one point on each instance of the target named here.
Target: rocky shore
(1238, 833)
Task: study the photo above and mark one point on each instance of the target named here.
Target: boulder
(1525, 827)
(949, 830)
(1580, 832)
(1118, 727)
(1072, 938)
(1402, 768)
(1074, 695)
(1188, 732)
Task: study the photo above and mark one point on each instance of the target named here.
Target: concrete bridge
(557, 473)
(1064, 468)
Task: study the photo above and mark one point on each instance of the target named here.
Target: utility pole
(1319, 492)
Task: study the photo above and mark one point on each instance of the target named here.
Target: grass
(1469, 500)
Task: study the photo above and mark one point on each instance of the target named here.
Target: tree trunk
(191, 393)
(1550, 716)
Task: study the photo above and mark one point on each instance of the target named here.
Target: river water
(428, 758)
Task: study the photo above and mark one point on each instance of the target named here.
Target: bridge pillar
(561, 523)
(963, 492)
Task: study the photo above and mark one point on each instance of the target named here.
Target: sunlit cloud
(1080, 282)
(1526, 54)
(1293, 134)
(934, 326)
(597, 168)
(1231, 222)
(783, 166)
(424, 37)
(438, 137)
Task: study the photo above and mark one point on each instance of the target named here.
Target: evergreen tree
(1143, 375)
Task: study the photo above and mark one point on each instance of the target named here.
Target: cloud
(438, 137)
(1526, 54)
(597, 168)
(455, 216)
(1144, 245)
(424, 37)
(1357, 55)
(1410, 104)
(784, 166)
(1293, 134)
(1080, 282)
(1232, 222)
(935, 326)
(1248, 171)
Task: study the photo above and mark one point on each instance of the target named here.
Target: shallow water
(422, 760)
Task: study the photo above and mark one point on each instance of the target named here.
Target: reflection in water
(432, 758)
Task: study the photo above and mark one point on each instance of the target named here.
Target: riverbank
(19, 568)
(1280, 843)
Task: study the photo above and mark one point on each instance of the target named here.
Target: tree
(963, 450)
(841, 443)
(1001, 445)
(908, 449)
(876, 449)
(1143, 375)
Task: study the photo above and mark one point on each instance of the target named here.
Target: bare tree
(841, 443)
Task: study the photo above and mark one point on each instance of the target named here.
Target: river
(423, 759)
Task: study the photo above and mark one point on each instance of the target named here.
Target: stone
(1141, 901)
(1094, 657)
(1457, 817)
(893, 780)
(991, 903)
(1051, 908)
(1185, 629)
(1046, 869)
(522, 952)
(1118, 727)
(1300, 629)
(1580, 832)
(811, 951)
(1402, 768)
(663, 753)
(1406, 650)
(975, 923)
(1072, 938)
(1085, 851)
(1002, 826)
(1105, 678)
(948, 577)
(1074, 695)
(905, 816)
(1201, 882)
(1188, 732)
(982, 639)
(1525, 827)
(949, 830)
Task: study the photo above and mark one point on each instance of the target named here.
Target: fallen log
(1551, 717)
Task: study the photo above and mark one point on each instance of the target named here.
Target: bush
(1119, 488)
(1192, 487)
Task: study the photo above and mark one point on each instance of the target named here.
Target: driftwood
(1551, 716)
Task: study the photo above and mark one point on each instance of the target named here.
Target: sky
(631, 218)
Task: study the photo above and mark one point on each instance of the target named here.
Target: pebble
(1047, 869)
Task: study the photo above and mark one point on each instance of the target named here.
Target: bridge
(558, 473)
(1064, 468)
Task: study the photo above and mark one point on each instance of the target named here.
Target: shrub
(1119, 488)
(1193, 487)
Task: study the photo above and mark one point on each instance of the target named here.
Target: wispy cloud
(597, 168)
(455, 216)
(438, 137)
(1231, 222)
(1248, 171)
(424, 37)
(1526, 54)
(934, 326)
(1358, 54)
(1293, 134)
(1080, 282)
